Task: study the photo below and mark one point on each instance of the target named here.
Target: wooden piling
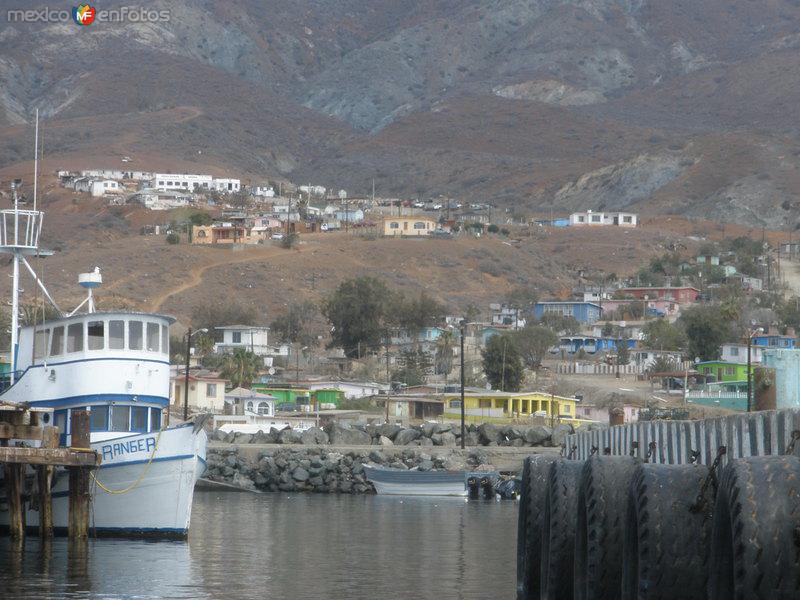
(16, 509)
(79, 496)
(44, 479)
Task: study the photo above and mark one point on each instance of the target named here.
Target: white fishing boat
(115, 365)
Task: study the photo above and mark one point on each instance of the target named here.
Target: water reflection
(274, 546)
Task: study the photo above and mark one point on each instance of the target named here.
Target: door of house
(616, 220)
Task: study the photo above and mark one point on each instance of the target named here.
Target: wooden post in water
(44, 479)
(16, 510)
(79, 497)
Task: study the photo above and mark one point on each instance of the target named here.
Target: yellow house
(496, 404)
(409, 226)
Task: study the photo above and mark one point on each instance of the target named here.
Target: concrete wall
(787, 376)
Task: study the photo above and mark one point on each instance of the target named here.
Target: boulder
(488, 433)
(425, 465)
(288, 436)
(243, 482)
(444, 427)
(472, 439)
(444, 439)
(228, 439)
(512, 432)
(300, 474)
(537, 435)
(424, 441)
(345, 436)
(385, 441)
(388, 430)
(313, 436)
(261, 438)
(406, 436)
(560, 433)
(428, 429)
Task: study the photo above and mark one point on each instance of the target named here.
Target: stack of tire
(614, 527)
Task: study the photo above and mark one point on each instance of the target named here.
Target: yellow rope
(141, 475)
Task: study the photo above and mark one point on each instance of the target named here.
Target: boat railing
(6, 379)
(20, 228)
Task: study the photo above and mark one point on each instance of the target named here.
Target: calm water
(275, 546)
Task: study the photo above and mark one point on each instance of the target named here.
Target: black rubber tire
(558, 530)
(601, 510)
(535, 470)
(666, 545)
(755, 552)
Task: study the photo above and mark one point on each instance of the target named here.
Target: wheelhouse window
(155, 419)
(40, 340)
(95, 333)
(139, 418)
(98, 418)
(75, 337)
(120, 418)
(135, 335)
(60, 420)
(57, 341)
(116, 335)
(153, 335)
(165, 339)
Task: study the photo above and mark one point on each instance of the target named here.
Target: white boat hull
(154, 489)
(394, 482)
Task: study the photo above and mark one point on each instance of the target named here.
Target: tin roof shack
(602, 414)
(414, 408)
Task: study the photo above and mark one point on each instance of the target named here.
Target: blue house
(774, 340)
(584, 312)
(590, 344)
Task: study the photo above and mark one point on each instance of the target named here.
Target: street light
(750, 335)
(189, 335)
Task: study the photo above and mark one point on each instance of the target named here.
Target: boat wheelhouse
(113, 364)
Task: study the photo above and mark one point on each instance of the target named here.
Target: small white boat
(400, 482)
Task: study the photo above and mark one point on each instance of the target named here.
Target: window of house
(165, 339)
(394, 225)
(734, 351)
(153, 335)
(263, 408)
(155, 419)
(98, 418)
(160, 183)
(580, 219)
(211, 390)
(454, 404)
(236, 337)
(40, 340)
(566, 409)
(595, 218)
(729, 371)
(419, 225)
(135, 335)
(139, 418)
(116, 335)
(120, 418)
(627, 219)
(57, 341)
(95, 334)
(250, 406)
(485, 403)
(75, 337)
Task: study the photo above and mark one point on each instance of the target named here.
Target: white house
(250, 402)
(103, 174)
(619, 219)
(156, 200)
(262, 191)
(350, 215)
(226, 185)
(351, 389)
(315, 190)
(252, 338)
(737, 353)
(186, 182)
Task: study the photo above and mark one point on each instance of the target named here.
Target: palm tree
(241, 367)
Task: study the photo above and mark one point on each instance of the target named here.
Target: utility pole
(463, 413)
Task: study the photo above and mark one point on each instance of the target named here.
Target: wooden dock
(21, 423)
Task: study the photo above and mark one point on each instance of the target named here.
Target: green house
(724, 371)
(284, 395)
(327, 396)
